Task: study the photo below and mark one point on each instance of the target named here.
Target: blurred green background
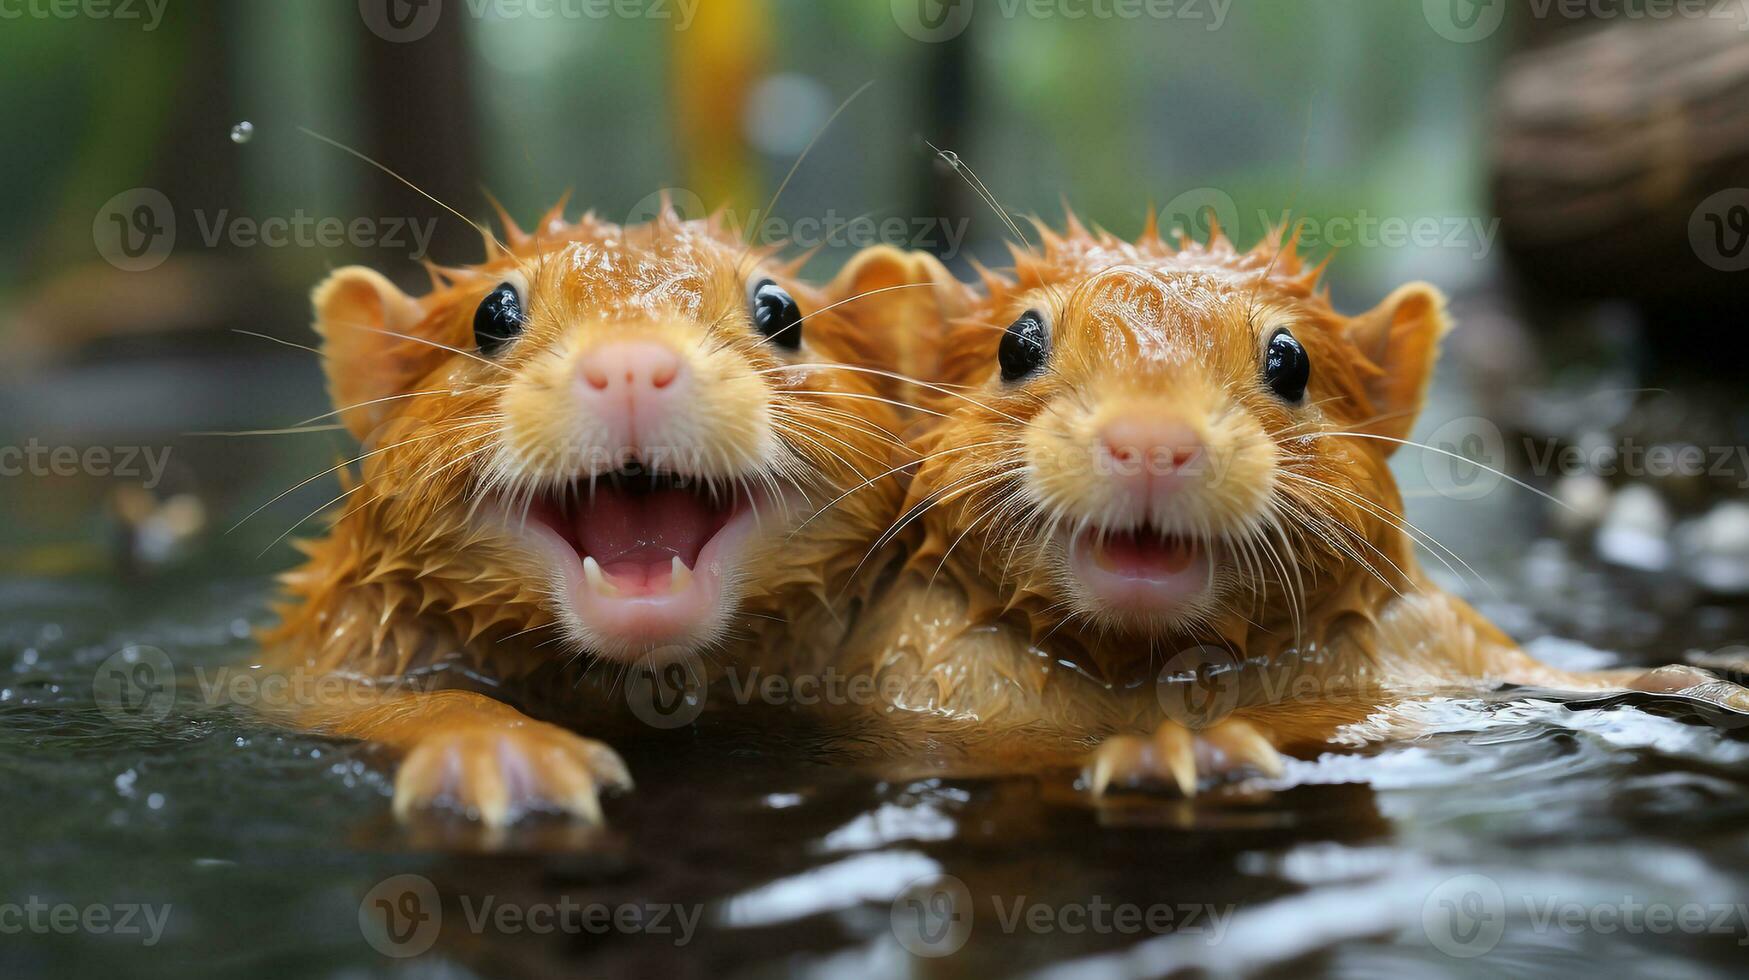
(122, 121)
(1580, 176)
(1337, 106)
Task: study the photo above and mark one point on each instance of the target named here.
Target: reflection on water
(1521, 832)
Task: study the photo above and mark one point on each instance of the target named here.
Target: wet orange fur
(408, 591)
(994, 658)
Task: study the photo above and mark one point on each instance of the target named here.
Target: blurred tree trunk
(418, 112)
(946, 103)
(1616, 147)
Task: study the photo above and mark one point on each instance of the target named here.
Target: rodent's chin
(1141, 578)
(643, 575)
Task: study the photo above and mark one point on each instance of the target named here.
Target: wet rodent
(600, 446)
(1155, 527)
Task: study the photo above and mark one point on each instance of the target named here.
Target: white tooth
(598, 579)
(679, 576)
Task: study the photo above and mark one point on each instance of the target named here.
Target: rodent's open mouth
(1142, 570)
(638, 536)
(643, 558)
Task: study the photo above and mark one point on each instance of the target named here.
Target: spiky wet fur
(1320, 605)
(406, 579)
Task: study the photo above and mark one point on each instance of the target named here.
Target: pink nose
(632, 383)
(1150, 455)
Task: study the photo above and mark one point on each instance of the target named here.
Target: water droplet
(243, 132)
(950, 158)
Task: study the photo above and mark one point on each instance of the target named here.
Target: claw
(1176, 757)
(411, 784)
(486, 788)
(1236, 745)
(1168, 757)
(1123, 755)
(609, 769)
(498, 775)
(573, 787)
(1175, 750)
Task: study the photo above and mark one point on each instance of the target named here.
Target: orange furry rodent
(600, 446)
(1156, 521)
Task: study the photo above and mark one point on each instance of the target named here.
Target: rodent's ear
(1400, 340)
(900, 303)
(354, 306)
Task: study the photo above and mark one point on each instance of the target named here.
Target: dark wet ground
(1523, 836)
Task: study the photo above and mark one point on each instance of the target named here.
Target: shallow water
(1522, 834)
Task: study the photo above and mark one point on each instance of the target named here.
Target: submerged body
(1143, 522)
(1155, 521)
(597, 451)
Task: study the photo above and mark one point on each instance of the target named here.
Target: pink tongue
(1147, 555)
(634, 535)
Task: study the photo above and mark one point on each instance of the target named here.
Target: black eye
(1023, 346)
(1286, 366)
(776, 315)
(499, 319)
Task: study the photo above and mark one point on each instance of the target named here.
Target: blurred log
(1608, 139)
(419, 114)
(948, 97)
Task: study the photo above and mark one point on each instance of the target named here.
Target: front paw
(496, 774)
(1177, 759)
